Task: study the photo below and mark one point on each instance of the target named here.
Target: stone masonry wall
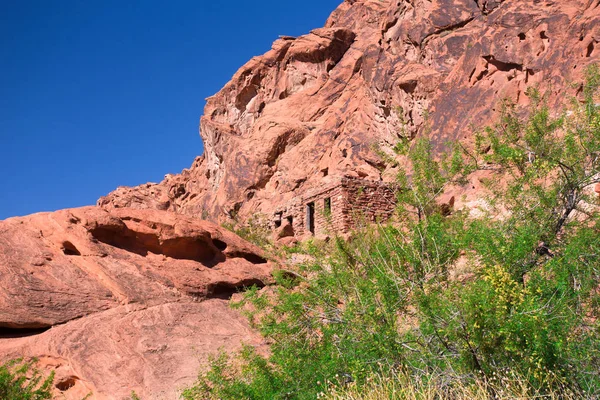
(350, 200)
(327, 222)
(367, 201)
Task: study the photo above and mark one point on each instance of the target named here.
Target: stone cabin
(335, 207)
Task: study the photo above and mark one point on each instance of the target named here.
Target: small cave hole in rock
(543, 35)
(503, 66)
(471, 74)
(179, 191)
(522, 36)
(14, 333)
(590, 49)
(225, 290)
(251, 257)
(219, 244)
(142, 243)
(69, 249)
(254, 258)
(66, 383)
(409, 87)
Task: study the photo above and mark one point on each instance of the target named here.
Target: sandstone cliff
(317, 105)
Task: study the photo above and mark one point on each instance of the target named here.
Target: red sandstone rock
(286, 230)
(135, 299)
(316, 105)
(288, 241)
(122, 289)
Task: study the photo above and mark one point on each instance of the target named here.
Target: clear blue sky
(101, 93)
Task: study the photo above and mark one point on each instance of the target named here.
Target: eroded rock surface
(122, 301)
(318, 104)
(131, 295)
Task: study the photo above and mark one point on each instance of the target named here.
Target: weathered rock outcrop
(131, 295)
(380, 69)
(123, 300)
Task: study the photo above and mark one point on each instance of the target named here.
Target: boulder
(122, 300)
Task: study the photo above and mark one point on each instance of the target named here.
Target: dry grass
(403, 387)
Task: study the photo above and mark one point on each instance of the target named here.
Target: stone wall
(337, 207)
(327, 220)
(367, 201)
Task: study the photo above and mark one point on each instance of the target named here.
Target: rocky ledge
(122, 300)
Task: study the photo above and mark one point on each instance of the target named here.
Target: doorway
(310, 217)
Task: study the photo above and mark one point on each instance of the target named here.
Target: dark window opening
(278, 217)
(310, 217)
(327, 206)
(290, 220)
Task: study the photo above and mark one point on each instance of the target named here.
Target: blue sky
(102, 93)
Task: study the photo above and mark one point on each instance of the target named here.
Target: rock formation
(318, 105)
(122, 301)
(132, 295)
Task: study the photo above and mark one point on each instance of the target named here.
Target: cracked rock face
(318, 104)
(123, 300)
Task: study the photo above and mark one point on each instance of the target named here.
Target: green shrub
(20, 380)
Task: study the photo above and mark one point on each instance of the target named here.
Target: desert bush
(20, 380)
